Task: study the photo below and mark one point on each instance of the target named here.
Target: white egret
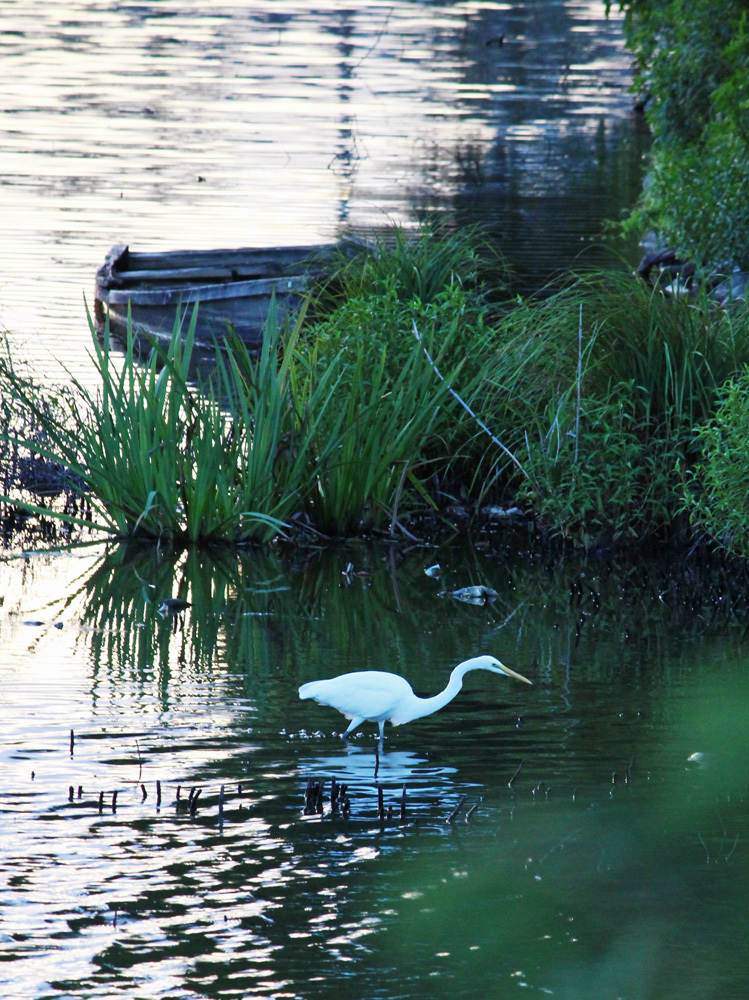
(377, 695)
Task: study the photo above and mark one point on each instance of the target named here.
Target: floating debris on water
(472, 595)
(172, 606)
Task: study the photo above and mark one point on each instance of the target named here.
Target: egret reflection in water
(369, 779)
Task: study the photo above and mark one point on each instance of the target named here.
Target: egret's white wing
(366, 694)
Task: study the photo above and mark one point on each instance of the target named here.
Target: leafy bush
(419, 267)
(602, 415)
(717, 493)
(595, 482)
(693, 57)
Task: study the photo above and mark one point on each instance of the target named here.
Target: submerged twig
(473, 808)
(517, 772)
(457, 809)
(735, 842)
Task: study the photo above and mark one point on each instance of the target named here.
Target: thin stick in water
(457, 809)
(473, 808)
(517, 772)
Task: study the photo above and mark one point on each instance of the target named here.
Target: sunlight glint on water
(217, 124)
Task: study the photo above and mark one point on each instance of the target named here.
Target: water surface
(599, 859)
(218, 124)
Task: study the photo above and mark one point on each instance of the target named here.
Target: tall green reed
(376, 443)
(237, 454)
(154, 452)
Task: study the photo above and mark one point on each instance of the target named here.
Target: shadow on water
(583, 837)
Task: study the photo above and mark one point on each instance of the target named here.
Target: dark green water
(608, 865)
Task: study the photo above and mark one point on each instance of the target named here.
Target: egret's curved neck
(428, 705)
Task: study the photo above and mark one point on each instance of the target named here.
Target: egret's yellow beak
(518, 677)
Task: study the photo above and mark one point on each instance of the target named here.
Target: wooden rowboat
(233, 288)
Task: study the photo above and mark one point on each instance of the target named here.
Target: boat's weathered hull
(233, 288)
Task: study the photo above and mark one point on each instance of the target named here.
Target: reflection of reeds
(123, 595)
(261, 614)
(271, 619)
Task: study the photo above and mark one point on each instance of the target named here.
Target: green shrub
(418, 267)
(593, 480)
(647, 371)
(693, 57)
(717, 493)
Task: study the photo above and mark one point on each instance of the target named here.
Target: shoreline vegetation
(691, 64)
(410, 399)
(413, 397)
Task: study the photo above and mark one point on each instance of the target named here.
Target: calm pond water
(214, 123)
(599, 861)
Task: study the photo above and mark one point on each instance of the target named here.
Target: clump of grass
(156, 456)
(274, 413)
(419, 267)
(443, 284)
(238, 455)
(373, 442)
(605, 420)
